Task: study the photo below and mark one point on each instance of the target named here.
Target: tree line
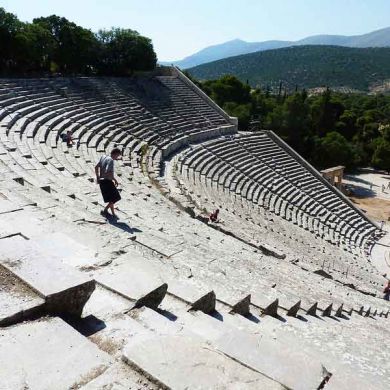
(328, 129)
(54, 45)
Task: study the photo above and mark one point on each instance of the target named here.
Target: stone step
(120, 376)
(64, 289)
(17, 300)
(48, 354)
(187, 362)
(259, 350)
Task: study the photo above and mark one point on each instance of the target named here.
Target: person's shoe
(104, 213)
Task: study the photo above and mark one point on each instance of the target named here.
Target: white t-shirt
(106, 164)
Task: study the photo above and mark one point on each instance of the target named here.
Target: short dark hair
(116, 151)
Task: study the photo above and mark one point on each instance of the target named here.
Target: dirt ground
(375, 208)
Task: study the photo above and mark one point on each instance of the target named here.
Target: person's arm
(97, 172)
(110, 169)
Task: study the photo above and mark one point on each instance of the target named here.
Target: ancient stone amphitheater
(281, 293)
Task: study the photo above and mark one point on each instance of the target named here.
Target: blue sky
(179, 28)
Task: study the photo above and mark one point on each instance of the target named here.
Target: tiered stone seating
(171, 306)
(273, 220)
(107, 112)
(256, 168)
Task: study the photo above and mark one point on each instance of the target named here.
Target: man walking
(104, 171)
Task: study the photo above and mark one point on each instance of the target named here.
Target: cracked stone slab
(134, 278)
(48, 354)
(119, 377)
(183, 362)
(64, 289)
(280, 358)
(17, 300)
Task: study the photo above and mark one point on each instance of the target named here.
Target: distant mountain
(309, 66)
(379, 38)
(224, 50)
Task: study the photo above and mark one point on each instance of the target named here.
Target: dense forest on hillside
(304, 67)
(328, 129)
(55, 45)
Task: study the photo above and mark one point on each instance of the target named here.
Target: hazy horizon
(180, 29)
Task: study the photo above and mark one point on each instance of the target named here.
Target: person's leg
(106, 208)
(112, 208)
(111, 205)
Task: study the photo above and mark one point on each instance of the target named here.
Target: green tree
(124, 51)
(334, 149)
(326, 111)
(381, 156)
(228, 89)
(241, 111)
(347, 124)
(9, 26)
(33, 49)
(75, 49)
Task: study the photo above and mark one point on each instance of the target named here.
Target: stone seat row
(298, 239)
(329, 200)
(312, 207)
(50, 100)
(56, 193)
(290, 213)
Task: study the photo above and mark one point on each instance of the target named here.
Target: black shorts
(109, 192)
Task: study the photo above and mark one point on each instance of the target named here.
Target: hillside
(227, 49)
(378, 38)
(306, 66)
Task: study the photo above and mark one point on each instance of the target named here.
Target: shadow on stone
(217, 315)
(123, 226)
(301, 318)
(167, 314)
(252, 318)
(87, 326)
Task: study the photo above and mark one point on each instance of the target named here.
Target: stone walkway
(368, 185)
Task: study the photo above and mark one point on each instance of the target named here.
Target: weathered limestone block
(183, 362)
(339, 311)
(312, 311)
(293, 311)
(206, 304)
(154, 298)
(64, 289)
(268, 251)
(48, 354)
(242, 307)
(18, 301)
(327, 312)
(361, 310)
(272, 309)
